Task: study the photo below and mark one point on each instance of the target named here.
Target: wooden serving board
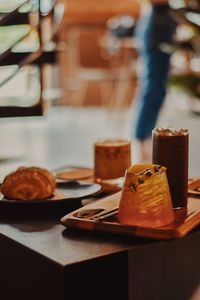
(194, 186)
(186, 219)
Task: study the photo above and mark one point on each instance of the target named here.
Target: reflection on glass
(23, 89)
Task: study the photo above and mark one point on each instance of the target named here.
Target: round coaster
(76, 174)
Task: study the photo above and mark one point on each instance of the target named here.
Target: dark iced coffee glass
(170, 149)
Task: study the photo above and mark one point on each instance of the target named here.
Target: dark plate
(65, 190)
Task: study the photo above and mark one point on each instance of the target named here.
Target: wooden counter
(41, 259)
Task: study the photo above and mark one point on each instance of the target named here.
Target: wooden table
(41, 259)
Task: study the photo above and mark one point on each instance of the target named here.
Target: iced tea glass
(145, 199)
(111, 159)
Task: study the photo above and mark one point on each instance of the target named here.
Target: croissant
(29, 183)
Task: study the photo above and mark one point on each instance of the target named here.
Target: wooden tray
(194, 186)
(186, 219)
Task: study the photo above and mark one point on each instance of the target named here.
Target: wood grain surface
(185, 220)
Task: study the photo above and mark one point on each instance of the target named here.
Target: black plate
(65, 190)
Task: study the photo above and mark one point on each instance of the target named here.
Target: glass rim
(170, 131)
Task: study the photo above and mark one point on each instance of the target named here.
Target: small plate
(65, 190)
(84, 174)
(74, 173)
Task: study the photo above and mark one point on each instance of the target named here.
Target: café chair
(94, 59)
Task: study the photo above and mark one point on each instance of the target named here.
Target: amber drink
(111, 159)
(145, 199)
(170, 149)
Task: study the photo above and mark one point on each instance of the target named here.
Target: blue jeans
(151, 31)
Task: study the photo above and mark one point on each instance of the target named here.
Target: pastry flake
(29, 183)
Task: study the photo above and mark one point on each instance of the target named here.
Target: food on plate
(145, 199)
(29, 183)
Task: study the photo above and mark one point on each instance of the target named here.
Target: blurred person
(154, 27)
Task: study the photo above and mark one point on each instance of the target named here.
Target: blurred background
(69, 75)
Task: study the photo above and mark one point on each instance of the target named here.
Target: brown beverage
(170, 149)
(111, 159)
